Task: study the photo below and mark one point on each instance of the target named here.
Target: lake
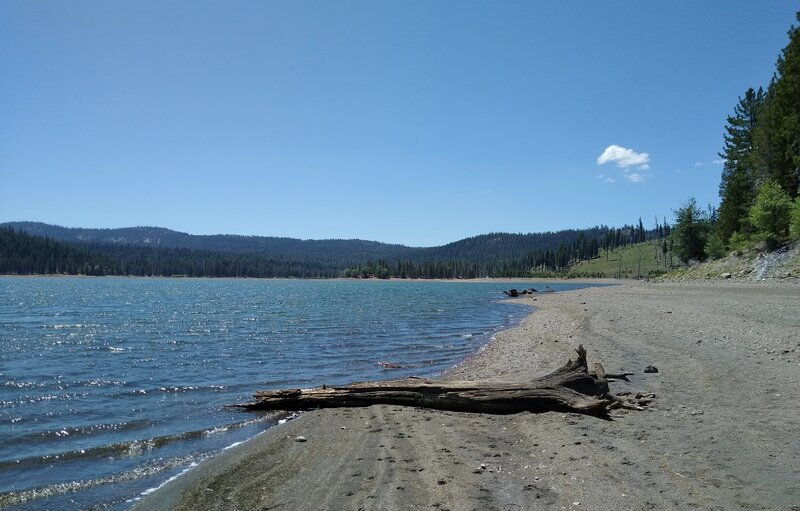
(110, 386)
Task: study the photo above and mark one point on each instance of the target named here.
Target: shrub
(739, 242)
(715, 248)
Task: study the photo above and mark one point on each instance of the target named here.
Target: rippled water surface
(109, 386)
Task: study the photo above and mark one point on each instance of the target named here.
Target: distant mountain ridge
(485, 246)
(32, 248)
(160, 237)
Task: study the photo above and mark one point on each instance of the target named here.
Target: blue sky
(407, 122)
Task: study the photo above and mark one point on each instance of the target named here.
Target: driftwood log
(571, 388)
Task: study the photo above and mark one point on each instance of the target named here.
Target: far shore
(501, 280)
(721, 434)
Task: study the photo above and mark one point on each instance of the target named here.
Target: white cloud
(635, 177)
(718, 162)
(609, 179)
(698, 164)
(624, 157)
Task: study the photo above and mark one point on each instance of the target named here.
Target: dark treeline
(167, 262)
(331, 252)
(24, 254)
(491, 255)
(577, 246)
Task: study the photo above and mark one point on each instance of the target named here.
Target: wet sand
(723, 432)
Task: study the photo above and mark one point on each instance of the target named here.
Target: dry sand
(723, 432)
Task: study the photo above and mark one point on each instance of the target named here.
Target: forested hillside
(97, 252)
(23, 254)
(327, 251)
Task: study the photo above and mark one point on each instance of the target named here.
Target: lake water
(110, 386)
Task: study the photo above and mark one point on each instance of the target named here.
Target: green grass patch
(642, 260)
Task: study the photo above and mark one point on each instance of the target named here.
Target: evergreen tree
(738, 175)
(770, 213)
(715, 248)
(736, 200)
(640, 234)
(777, 138)
(690, 232)
(794, 226)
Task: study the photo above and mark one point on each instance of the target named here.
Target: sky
(413, 122)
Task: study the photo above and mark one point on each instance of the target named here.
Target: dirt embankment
(750, 266)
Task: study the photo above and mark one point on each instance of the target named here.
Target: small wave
(29, 400)
(57, 435)
(102, 383)
(190, 388)
(215, 431)
(291, 416)
(70, 325)
(156, 488)
(21, 497)
(128, 448)
(26, 384)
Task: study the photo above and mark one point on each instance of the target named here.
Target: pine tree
(794, 225)
(770, 213)
(777, 139)
(738, 175)
(690, 232)
(640, 234)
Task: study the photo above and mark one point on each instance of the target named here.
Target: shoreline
(694, 447)
(499, 280)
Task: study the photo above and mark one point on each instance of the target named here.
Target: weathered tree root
(570, 388)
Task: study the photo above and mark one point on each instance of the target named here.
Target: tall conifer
(739, 175)
(777, 139)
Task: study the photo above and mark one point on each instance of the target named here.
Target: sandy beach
(723, 432)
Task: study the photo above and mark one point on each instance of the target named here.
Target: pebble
(301, 438)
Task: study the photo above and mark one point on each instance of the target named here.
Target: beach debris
(389, 365)
(300, 438)
(612, 376)
(513, 293)
(651, 369)
(571, 388)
